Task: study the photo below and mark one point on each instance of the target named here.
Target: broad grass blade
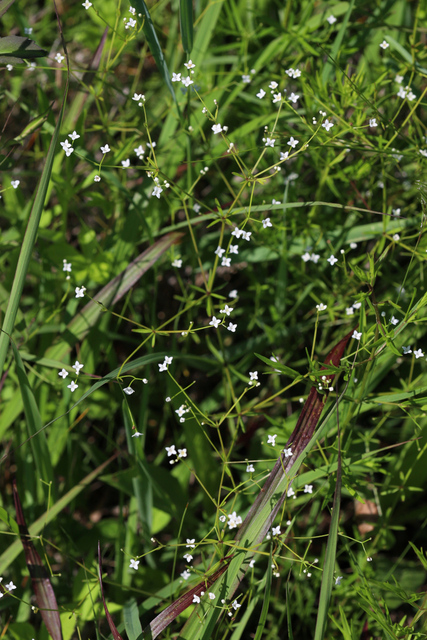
(113, 628)
(132, 623)
(45, 596)
(186, 24)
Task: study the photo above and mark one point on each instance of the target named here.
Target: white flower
(270, 142)
(139, 151)
(216, 128)
(272, 439)
(59, 58)
(189, 65)
(126, 164)
(188, 557)
(338, 580)
(187, 81)
(233, 294)
(394, 320)
(373, 122)
(418, 353)
(196, 599)
(185, 574)
(384, 44)
(277, 97)
(406, 350)
(86, 4)
(250, 468)
(97, 179)
(266, 223)
(308, 488)
(349, 311)
(157, 191)
(215, 322)
(356, 335)
(331, 20)
(129, 391)
(137, 434)
(235, 605)
(80, 292)
(253, 376)
(182, 453)
(66, 266)
(176, 77)
(77, 366)
(233, 520)
(332, 260)
(292, 142)
(63, 373)
(246, 235)
(321, 306)
(171, 451)
(287, 453)
(134, 564)
(293, 97)
(273, 85)
(211, 595)
(327, 125)
(130, 24)
(227, 310)
(105, 148)
(68, 149)
(72, 386)
(276, 531)
(260, 94)
(226, 262)
(177, 263)
(246, 79)
(305, 256)
(190, 543)
(396, 237)
(232, 327)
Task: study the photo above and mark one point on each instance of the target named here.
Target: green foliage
(199, 220)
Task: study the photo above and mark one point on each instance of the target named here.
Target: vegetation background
(214, 231)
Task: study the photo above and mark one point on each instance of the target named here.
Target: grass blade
(331, 549)
(28, 241)
(154, 44)
(186, 24)
(45, 596)
(39, 446)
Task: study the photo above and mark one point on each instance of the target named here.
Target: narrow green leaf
(332, 60)
(263, 617)
(330, 556)
(34, 424)
(28, 241)
(186, 24)
(154, 44)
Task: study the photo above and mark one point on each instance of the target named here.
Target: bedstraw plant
(212, 311)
